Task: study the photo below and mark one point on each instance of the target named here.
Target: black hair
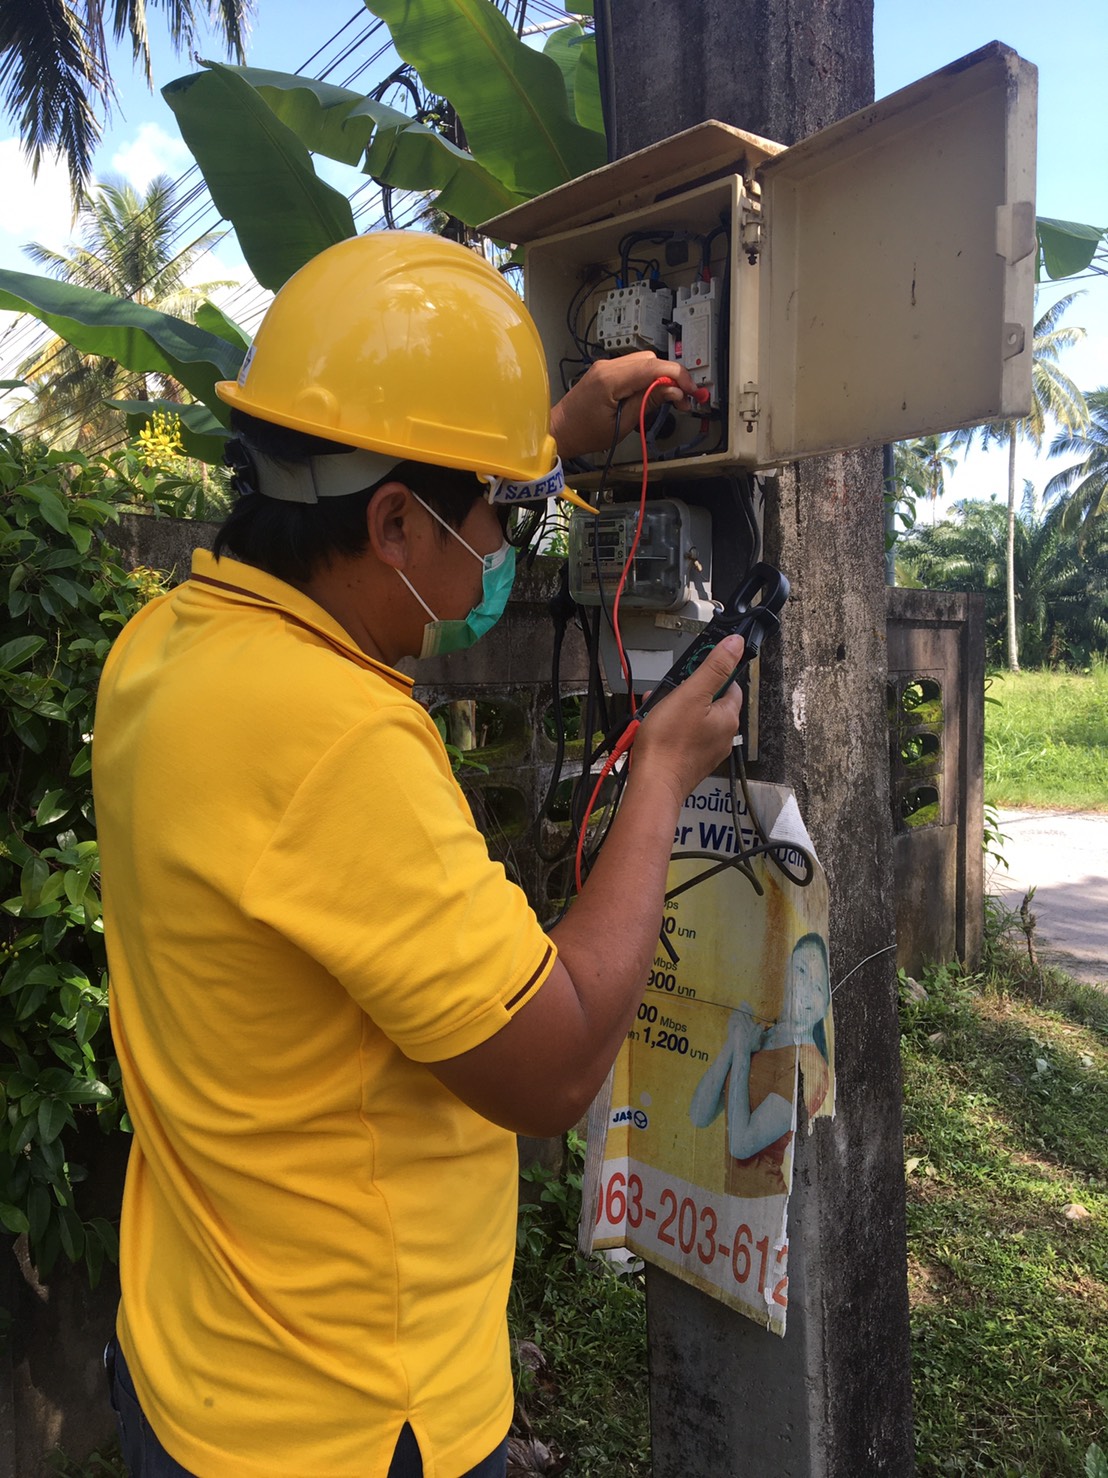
(292, 540)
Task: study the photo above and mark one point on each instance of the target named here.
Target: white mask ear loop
(454, 532)
(416, 593)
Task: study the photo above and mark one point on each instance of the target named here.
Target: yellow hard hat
(406, 344)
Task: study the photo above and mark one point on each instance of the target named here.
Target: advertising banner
(690, 1147)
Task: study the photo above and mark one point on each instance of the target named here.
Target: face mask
(497, 578)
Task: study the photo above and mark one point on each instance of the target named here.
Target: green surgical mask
(497, 578)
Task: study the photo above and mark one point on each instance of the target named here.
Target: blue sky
(910, 40)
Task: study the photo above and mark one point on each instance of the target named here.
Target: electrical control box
(873, 282)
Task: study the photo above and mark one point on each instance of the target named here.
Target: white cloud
(151, 153)
(243, 300)
(34, 210)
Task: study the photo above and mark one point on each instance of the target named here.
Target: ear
(389, 524)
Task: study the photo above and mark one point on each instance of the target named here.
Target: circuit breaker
(634, 317)
(872, 283)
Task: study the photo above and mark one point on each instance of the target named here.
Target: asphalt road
(1064, 856)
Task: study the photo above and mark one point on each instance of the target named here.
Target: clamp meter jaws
(752, 613)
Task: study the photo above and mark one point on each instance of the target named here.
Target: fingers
(684, 385)
(637, 371)
(717, 668)
(609, 397)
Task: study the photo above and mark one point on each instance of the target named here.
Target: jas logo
(635, 1117)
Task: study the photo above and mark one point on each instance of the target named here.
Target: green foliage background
(63, 597)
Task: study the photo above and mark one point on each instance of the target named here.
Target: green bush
(63, 597)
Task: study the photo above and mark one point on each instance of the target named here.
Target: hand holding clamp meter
(752, 613)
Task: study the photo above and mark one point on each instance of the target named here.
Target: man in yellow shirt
(331, 1009)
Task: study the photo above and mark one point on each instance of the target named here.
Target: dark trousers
(147, 1458)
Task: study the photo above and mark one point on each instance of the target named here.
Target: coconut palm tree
(923, 463)
(125, 247)
(54, 72)
(1054, 397)
(1082, 489)
(1062, 599)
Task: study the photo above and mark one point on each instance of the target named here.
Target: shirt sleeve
(377, 872)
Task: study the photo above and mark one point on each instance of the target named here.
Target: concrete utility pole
(833, 1399)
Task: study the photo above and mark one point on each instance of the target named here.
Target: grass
(1006, 1131)
(1046, 739)
(582, 1323)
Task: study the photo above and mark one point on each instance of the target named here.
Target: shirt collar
(241, 584)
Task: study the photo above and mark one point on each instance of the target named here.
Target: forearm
(750, 1131)
(539, 1072)
(608, 939)
(738, 1105)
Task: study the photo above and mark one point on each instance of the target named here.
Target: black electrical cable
(579, 797)
(650, 238)
(562, 609)
(741, 486)
(583, 791)
(773, 848)
(605, 70)
(618, 778)
(604, 475)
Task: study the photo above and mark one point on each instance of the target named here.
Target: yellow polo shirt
(317, 1236)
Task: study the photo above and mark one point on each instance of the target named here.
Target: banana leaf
(586, 87)
(1065, 247)
(259, 173)
(396, 150)
(564, 47)
(136, 337)
(511, 99)
(215, 321)
(574, 49)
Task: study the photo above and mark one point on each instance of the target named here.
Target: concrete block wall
(936, 706)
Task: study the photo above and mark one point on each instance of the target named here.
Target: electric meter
(672, 563)
(667, 595)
